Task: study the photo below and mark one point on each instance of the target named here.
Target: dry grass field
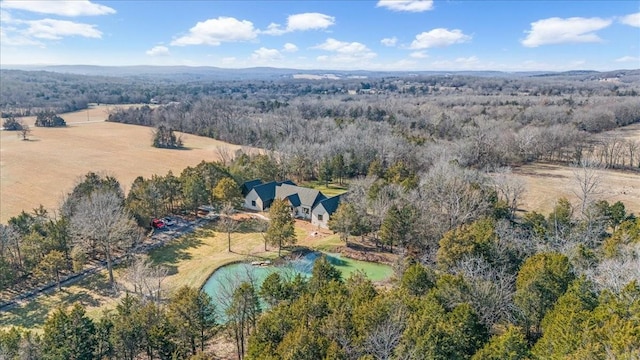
(44, 168)
(545, 183)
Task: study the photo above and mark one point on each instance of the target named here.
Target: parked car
(168, 221)
(157, 224)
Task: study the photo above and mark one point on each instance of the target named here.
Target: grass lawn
(190, 259)
(329, 191)
(92, 293)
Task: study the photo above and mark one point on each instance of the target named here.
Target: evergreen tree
(542, 279)
(69, 335)
(281, 229)
(511, 345)
(192, 314)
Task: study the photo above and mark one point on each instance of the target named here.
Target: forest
(426, 160)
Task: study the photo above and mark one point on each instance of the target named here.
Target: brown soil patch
(43, 169)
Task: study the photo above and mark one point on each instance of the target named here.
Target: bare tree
(102, 218)
(227, 223)
(632, 151)
(588, 179)
(616, 273)
(24, 132)
(382, 341)
(146, 278)
(490, 290)
(509, 188)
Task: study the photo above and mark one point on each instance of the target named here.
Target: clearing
(45, 168)
(545, 183)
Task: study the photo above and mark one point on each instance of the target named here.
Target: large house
(305, 203)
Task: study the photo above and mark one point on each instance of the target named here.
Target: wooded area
(426, 160)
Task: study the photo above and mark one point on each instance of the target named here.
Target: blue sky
(514, 35)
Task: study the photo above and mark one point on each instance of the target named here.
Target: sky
(447, 35)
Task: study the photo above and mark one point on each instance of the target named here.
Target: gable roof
(265, 191)
(308, 197)
(249, 185)
(331, 204)
(294, 199)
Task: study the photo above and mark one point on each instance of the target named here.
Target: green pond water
(224, 280)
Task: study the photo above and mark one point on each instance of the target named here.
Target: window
(305, 210)
(253, 203)
(319, 217)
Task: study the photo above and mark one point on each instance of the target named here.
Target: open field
(43, 169)
(190, 259)
(545, 183)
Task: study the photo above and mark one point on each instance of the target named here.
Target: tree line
(479, 131)
(474, 280)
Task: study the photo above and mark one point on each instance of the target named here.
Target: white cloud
(406, 5)
(51, 29)
(289, 47)
(301, 22)
(309, 21)
(439, 37)
(342, 46)
(216, 31)
(631, 19)
(63, 8)
(560, 31)
(5, 17)
(158, 51)
(344, 52)
(629, 59)
(419, 55)
(265, 55)
(11, 38)
(392, 41)
(468, 61)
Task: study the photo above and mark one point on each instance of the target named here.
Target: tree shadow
(172, 253)
(249, 226)
(97, 283)
(28, 316)
(34, 313)
(336, 261)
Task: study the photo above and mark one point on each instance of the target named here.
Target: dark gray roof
(266, 191)
(331, 204)
(308, 197)
(248, 185)
(294, 199)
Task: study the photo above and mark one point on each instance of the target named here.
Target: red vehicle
(157, 223)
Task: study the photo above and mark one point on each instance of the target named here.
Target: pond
(224, 280)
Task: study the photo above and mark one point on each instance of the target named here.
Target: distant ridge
(270, 73)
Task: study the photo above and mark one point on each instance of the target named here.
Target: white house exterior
(253, 202)
(320, 217)
(321, 214)
(302, 200)
(308, 204)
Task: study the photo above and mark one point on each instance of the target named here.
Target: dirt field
(43, 169)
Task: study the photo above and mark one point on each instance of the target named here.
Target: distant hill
(263, 73)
